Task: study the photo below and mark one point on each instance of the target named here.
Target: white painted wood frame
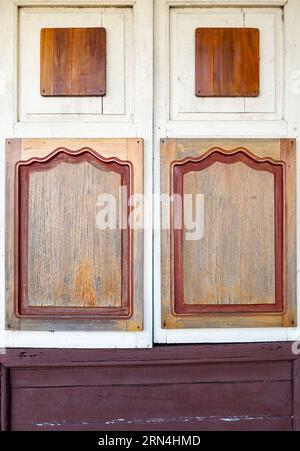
(116, 105)
(288, 126)
(185, 106)
(140, 124)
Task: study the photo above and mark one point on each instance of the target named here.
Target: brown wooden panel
(233, 266)
(201, 387)
(176, 400)
(219, 279)
(72, 248)
(241, 263)
(227, 62)
(149, 373)
(65, 264)
(73, 62)
(62, 266)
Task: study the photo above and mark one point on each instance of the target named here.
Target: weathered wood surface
(93, 271)
(277, 152)
(234, 261)
(71, 262)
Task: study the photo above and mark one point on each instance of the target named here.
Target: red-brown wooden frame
(178, 169)
(23, 169)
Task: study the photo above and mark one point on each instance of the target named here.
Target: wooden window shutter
(241, 271)
(64, 272)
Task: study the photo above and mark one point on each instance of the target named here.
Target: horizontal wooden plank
(105, 404)
(151, 374)
(246, 352)
(170, 424)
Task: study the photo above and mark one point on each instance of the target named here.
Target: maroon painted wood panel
(120, 405)
(198, 387)
(73, 62)
(227, 62)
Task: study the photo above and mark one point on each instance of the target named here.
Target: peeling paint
(154, 420)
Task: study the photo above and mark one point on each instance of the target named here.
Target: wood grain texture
(73, 62)
(106, 404)
(219, 265)
(103, 375)
(227, 62)
(200, 387)
(13, 154)
(65, 243)
(64, 267)
(288, 154)
(225, 267)
(210, 297)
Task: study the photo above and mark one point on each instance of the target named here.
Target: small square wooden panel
(73, 62)
(227, 62)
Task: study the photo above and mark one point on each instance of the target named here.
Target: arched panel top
(63, 154)
(217, 154)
